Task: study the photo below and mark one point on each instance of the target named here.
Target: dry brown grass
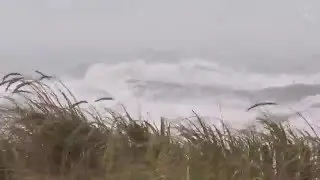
(49, 136)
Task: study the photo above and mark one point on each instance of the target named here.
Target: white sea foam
(128, 83)
(175, 89)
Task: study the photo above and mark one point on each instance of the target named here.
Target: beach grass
(46, 134)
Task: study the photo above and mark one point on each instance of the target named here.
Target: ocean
(172, 85)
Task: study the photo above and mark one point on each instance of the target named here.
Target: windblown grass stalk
(50, 136)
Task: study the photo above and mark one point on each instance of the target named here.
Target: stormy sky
(231, 25)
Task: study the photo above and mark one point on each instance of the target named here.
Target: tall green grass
(45, 134)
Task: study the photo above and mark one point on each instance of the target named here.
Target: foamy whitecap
(174, 89)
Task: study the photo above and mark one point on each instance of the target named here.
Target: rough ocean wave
(174, 89)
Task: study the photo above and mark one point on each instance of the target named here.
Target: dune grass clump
(46, 134)
(51, 135)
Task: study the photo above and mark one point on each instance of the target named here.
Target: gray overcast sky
(230, 24)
